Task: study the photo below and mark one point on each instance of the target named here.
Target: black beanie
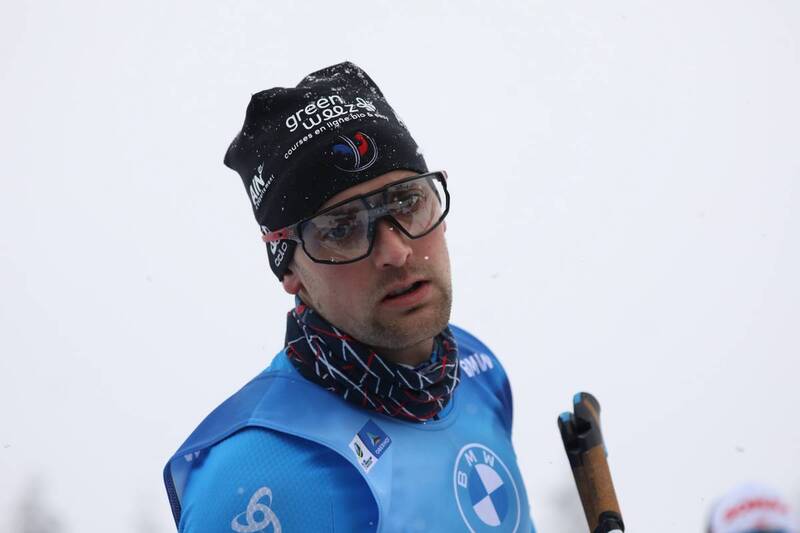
(301, 146)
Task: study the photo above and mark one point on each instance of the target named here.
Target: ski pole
(583, 442)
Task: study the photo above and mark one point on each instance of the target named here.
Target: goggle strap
(277, 235)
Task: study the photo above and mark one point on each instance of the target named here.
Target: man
(376, 415)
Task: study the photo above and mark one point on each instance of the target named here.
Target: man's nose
(391, 247)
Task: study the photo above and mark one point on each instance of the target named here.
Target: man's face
(356, 297)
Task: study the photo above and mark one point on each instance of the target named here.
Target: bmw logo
(485, 491)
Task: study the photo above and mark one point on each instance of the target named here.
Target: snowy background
(625, 178)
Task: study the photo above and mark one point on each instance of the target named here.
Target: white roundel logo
(485, 491)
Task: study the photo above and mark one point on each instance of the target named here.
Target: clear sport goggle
(345, 232)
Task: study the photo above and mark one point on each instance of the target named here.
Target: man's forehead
(371, 185)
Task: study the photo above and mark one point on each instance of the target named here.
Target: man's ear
(291, 282)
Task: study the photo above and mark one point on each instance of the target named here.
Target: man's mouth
(407, 294)
(404, 290)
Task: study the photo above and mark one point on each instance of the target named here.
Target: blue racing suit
(284, 455)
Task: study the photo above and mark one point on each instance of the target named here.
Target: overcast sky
(625, 182)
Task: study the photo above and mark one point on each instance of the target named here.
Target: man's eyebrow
(344, 209)
(402, 183)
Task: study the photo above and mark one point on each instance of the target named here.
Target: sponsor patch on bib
(485, 491)
(369, 444)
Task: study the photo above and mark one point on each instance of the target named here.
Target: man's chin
(410, 326)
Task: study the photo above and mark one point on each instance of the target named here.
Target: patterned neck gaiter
(337, 362)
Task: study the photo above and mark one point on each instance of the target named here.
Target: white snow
(625, 188)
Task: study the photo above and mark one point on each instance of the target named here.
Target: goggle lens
(346, 232)
(337, 236)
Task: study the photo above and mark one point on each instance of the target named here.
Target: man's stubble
(396, 331)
